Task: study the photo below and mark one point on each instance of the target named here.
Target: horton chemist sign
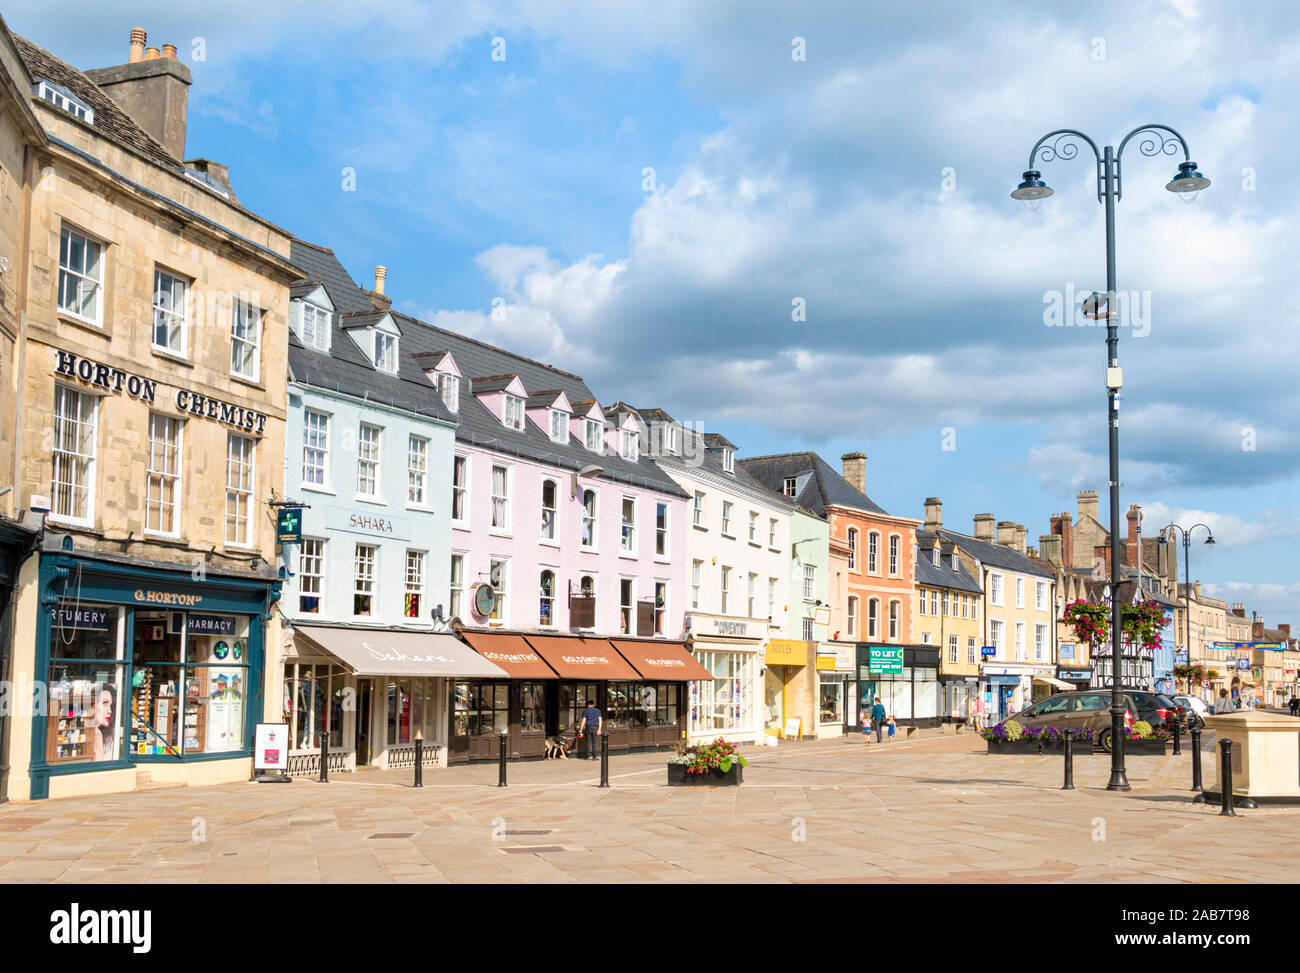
(885, 659)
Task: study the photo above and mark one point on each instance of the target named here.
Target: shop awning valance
(1058, 683)
(582, 658)
(661, 660)
(519, 659)
(383, 653)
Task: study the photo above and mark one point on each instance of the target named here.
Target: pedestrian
(890, 723)
(593, 723)
(866, 727)
(979, 712)
(1224, 705)
(878, 718)
(1295, 705)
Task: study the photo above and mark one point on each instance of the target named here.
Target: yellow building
(947, 613)
(150, 395)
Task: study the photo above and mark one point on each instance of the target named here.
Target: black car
(1155, 708)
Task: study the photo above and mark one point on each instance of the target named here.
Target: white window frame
(873, 617)
(365, 461)
(852, 536)
(852, 617)
(771, 599)
(996, 589)
(894, 620)
(1020, 641)
(697, 511)
(385, 358)
(456, 592)
(449, 389)
(809, 582)
(661, 611)
(80, 278)
(170, 309)
(545, 602)
(751, 594)
(61, 98)
(697, 580)
(245, 318)
(551, 536)
(627, 611)
(631, 445)
(158, 474)
(728, 460)
(1040, 595)
(501, 604)
(591, 519)
(417, 470)
(311, 568)
(512, 412)
(238, 491)
(790, 486)
(1040, 641)
(663, 548)
(724, 589)
(414, 584)
(727, 506)
(365, 583)
(592, 438)
(921, 605)
(462, 490)
(83, 424)
(893, 555)
(500, 524)
(559, 426)
(315, 335)
(771, 533)
(753, 527)
(952, 649)
(310, 438)
(627, 528)
(1020, 592)
(873, 552)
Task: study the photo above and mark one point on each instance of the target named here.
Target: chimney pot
(151, 53)
(138, 37)
(381, 274)
(169, 52)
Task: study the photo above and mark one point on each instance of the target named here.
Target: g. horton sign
(178, 598)
(146, 390)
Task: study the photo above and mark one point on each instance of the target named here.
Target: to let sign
(885, 659)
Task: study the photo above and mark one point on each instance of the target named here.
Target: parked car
(1197, 708)
(1089, 709)
(1155, 708)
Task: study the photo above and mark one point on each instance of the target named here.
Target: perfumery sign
(81, 617)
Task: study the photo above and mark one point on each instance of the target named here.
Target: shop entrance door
(364, 687)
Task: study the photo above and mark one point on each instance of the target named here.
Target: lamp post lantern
(1064, 144)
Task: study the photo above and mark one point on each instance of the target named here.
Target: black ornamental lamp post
(1064, 144)
(1186, 533)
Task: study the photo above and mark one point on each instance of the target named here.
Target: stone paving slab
(924, 810)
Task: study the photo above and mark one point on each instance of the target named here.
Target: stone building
(146, 434)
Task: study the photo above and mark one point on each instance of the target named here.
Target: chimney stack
(381, 274)
(984, 527)
(1022, 538)
(1131, 551)
(1006, 533)
(138, 37)
(1087, 504)
(933, 513)
(1049, 547)
(152, 89)
(855, 470)
(1063, 526)
(1285, 629)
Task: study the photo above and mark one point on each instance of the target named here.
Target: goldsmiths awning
(385, 653)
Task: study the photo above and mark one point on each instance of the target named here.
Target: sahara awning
(582, 658)
(387, 653)
(661, 660)
(519, 659)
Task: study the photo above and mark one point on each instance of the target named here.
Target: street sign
(289, 526)
(885, 659)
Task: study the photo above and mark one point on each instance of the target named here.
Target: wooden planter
(1081, 748)
(1019, 746)
(678, 777)
(1142, 748)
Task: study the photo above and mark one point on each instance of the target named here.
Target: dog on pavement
(557, 748)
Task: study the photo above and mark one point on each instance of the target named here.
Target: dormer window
(386, 352)
(934, 557)
(559, 426)
(593, 439)
(789, 488)
(729, 461)
(315, 332)
(512, 414)
(449, 389)
(631, 443)
(61, 97)
(955, 565)
(670, 438)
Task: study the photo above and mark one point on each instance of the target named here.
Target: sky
(791, 224)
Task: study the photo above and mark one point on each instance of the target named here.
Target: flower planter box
(1141, 748)
(1082, 748)
(678, 777)
(1019, 747)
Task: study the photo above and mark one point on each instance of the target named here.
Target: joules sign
(146, 390)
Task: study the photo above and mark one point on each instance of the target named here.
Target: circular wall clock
(484, 600)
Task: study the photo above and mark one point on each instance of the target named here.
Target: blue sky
(869, 180)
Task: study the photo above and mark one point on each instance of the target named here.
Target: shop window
(725, 702)
(85, 709)
(481, 708)
(532, 707)
(399, 711)
(831, 708)
(573, 700)
(314, 698)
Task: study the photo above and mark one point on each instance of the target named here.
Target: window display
(481, 708)
(84, 715)
(726, 702)
(532, 707)
(573, 700)
(831, 709)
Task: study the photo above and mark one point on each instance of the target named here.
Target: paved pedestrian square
(935, 809)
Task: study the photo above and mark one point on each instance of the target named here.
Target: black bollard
(604, 759)
(501, 767)
(1069, 763)
(1225, 773)
(1178, 737)
(419, 759)
(324, 757)
(1196, 759)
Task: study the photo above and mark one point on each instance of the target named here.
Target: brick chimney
(984, 527)
(153, 89)
(1131, 550)
(1256, 628)
(1049, 546)
(933, 513)
(1063, 525)
(1285, 629)
(855, 470)
(1087, 504)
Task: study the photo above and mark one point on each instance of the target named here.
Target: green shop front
(145, 666)
(904, 677)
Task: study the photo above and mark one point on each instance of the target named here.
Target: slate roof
(943, 576)
(345, 368)
(542, 400)
(999, 555)
(825, 486)
(493, 383)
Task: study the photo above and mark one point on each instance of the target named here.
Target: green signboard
(289, 525)
(885, 659)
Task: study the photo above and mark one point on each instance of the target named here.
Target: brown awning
(582, 658)
(661, 660)
(511, 653)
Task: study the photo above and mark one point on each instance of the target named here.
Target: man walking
(878, 718)
(593, 723)
(1295, 705)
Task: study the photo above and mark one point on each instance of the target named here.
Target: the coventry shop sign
(112, 379)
